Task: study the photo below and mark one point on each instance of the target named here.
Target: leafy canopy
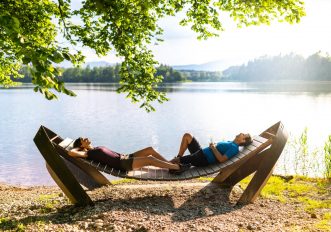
(29, 32)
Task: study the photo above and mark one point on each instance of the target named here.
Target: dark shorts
(126, 162)
(196, 158)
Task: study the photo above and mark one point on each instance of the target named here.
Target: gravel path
(141, 206)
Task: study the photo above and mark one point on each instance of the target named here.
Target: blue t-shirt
(229, 149)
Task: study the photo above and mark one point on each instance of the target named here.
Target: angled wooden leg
(223, 175)
(62, 186)
(248, 168)
(254, 187)
(265, 169)
(60, 171)
(86, 175)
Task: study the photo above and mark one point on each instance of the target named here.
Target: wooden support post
(265, 168)
(59, 171)
(84, 173)
(248, 168)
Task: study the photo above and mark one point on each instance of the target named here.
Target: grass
(8, 224)
(312, 193)
(325, 223)
(305, 159)
(49, 202)
(327, 158)
(123, 181)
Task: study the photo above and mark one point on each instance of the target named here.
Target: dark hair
(78, 142)
(248, 140)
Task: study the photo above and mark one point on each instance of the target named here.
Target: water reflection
(290, 87)
(218, 110)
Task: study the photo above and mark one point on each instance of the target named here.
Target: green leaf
(26, 60)
(57, 57)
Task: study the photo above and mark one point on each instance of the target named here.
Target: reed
(303, 160)
(327, 158)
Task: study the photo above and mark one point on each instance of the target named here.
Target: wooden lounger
(70, 173)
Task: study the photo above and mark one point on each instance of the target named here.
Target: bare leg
(147, 152)
(186, 140)
(139, 162)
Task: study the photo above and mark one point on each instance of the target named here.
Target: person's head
(82, 143)
(243, 139)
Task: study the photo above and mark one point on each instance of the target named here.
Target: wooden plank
(201, 171)
(214, 167)
(208, 170)
(159, 174)
(194, 172)
(255, 143)
(55, 137)
(273, 135)
(145, 174)
(251, 148)
(188, 174)
(224, 164)
(260, 139)
(131, 173)
(152, 173)
(235, 158)
(165, 173)
(65, 143)
(228, 162)
(241, 155)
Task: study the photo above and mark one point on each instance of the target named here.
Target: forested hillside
(288, 67)
(316, 67)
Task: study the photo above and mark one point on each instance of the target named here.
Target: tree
(29, 32)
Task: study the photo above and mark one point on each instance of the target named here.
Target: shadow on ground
(183, 205)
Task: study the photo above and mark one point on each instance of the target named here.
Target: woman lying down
(82, 148)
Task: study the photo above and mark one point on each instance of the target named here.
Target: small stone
(313, 215)
(251, 227)
(98, 225)
(209, 212)
(98, 221)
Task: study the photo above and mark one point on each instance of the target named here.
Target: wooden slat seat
(153, 173)
(265, 147)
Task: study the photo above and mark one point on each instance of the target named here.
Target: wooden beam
(265, 168)
(62, 175)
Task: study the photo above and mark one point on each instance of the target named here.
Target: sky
(238, 45)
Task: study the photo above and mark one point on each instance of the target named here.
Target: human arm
(221, 158)
(77, 153)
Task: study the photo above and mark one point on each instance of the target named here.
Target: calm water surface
(217, 110)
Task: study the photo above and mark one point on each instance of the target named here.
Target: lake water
(217, 110)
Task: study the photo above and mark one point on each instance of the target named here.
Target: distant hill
(98, 64)
(213, 66)
(92, 64)
(219, 65)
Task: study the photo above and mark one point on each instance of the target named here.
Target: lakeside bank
(285, 204)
